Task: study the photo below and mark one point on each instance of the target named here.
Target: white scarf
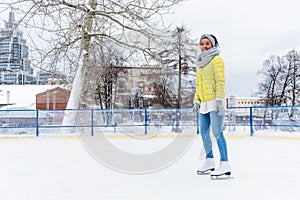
(205, 56)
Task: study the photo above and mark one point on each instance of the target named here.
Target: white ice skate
(223, 172)
(207, 166)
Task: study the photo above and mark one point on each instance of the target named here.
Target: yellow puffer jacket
(210, 81)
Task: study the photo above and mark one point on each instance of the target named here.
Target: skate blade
(221, 176)
(205, 172)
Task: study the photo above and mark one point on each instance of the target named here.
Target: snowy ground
(60, 168)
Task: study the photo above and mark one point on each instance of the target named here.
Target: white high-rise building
(14, 63)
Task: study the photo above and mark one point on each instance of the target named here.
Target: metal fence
(250, 120)
(264, 118)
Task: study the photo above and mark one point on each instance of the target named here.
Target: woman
(210, 102)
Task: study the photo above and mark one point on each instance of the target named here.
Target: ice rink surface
(60, 168)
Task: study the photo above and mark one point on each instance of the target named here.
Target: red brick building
(56, 98)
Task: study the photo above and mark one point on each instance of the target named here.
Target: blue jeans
(216, 122)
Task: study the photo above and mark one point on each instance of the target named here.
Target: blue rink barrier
(147, 121)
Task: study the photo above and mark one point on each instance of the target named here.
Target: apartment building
(233, 101)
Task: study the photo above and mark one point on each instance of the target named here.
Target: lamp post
(179, 31)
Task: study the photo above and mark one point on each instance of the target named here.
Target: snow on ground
(59, 168)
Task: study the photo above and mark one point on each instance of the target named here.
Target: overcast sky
(248, 33)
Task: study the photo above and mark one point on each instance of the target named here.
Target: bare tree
(293, 59)
(281, 79)
(177, 56)
(64, 31)
(271, 71)
(104, 62)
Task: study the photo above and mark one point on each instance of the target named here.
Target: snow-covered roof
(248, 98)
(21, 96)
